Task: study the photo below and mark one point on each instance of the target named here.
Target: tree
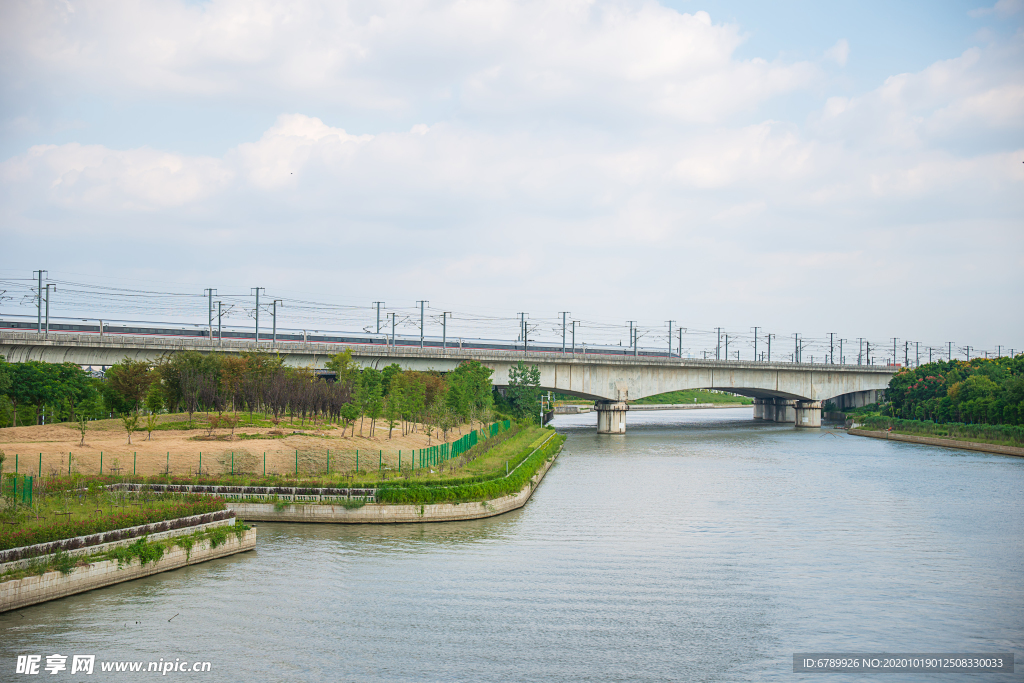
(32, 383)
(393, 409)
(130, 420)
(5, 376)
(83, 426)
(387, 375)
(368, 395)
(128, 383)
(523, 391)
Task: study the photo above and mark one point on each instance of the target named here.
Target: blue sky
(800, 166)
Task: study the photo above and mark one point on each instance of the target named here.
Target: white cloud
(1002, 9)
(839, 52)
(540, 144)
(500, 56)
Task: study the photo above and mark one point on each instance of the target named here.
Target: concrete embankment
(378, 513)
(30, 590)
(945, 443)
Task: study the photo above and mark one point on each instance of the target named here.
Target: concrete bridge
(782, 392)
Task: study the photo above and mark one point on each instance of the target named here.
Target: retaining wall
(376, 513)
(52, 585)
(946, 443)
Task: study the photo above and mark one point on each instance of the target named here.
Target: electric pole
(755, 343)
(831, 348)
(220, 316)
(48, 286)
(574, 324)
(769, 338)
(393, 316)
(39, 301)
(949, 354)
(378, 304)
(563, 314)
(423, 305)
(680, 332)
(257, 291)
(631, 322)
(894, 350)
(209, 311)
(444, 329)
(670, 337)
(718, 345)
(727, 347)
(522, 327)
(274, 316)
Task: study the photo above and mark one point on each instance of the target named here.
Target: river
(700, 546)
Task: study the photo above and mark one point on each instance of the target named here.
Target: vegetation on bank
(1005, 435)
(68, 507)
(532, 457)
(693, 396)
(981, 400)
(142, 549)
(980, 391)
(258, 389)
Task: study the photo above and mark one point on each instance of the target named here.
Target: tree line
(224, 385)
(979, 391)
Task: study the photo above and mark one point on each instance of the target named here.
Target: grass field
(693, 396)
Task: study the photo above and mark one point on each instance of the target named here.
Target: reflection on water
(699, 546)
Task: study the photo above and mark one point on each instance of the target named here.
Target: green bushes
(531, 460)
(1010, 435)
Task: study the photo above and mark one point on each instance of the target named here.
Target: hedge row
(495, 488)
(1013, 434)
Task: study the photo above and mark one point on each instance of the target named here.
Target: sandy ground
(182, 449)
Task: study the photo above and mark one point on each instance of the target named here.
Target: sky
(802, 167)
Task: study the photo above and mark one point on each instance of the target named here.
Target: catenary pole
(257, 291)
(39, 301)
(274, 316)
(423, 305)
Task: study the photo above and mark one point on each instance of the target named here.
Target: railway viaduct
(782, 392)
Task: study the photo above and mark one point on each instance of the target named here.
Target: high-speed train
(157, 329)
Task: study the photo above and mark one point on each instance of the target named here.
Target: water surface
(699, 546)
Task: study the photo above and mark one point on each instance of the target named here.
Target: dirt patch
(307, 450)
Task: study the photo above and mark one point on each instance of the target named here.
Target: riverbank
(91, 572)
(937, 441)
(385, 513)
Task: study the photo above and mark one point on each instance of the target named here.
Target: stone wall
(31, 590)
(375, 513)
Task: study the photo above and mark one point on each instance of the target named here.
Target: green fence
(19, 488)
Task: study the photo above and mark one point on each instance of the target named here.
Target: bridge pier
(611, 417)
(759, 406)
(808, 414)
(785, 410)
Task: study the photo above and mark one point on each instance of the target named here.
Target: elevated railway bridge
(782, 392)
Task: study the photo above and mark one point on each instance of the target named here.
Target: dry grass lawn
(182, 448)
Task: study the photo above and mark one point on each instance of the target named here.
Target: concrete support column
(759, 408)
(785, 410)
(768, 410)
(611, 417)
(808, 414)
